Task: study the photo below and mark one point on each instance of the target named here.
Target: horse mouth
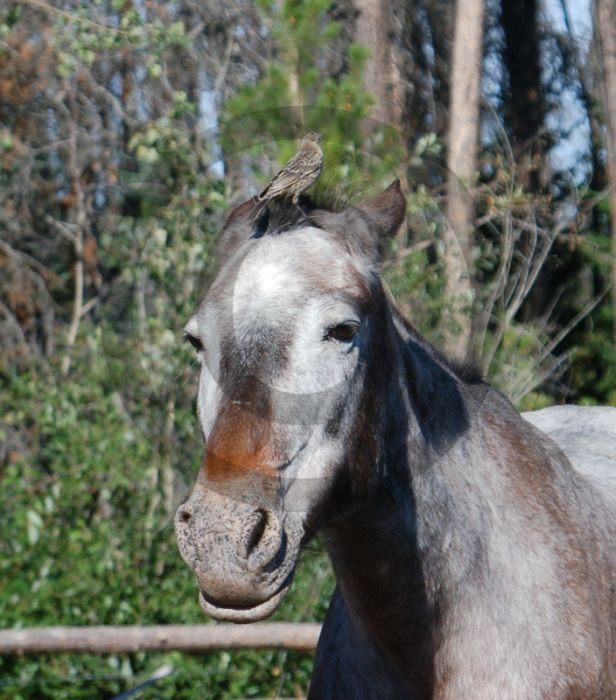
(243, 613)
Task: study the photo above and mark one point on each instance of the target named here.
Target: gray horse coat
(473, 561)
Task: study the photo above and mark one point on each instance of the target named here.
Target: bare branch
(63, 229)
(131, 638)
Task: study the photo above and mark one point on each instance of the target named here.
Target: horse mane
(468, 370)
(281, 215)
(278, 216)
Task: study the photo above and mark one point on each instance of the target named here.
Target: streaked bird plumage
(300, 173)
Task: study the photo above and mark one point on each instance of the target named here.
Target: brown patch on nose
(240, 446)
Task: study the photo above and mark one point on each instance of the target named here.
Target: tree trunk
(377, 29)
(524, 111)
(524, 104)
(440, 18)
(464, 118)
(586, 68)
(605, 16)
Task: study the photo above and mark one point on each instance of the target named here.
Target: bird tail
(260, 207)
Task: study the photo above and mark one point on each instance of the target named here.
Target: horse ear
(243, 211)
(386, 213)
(237, 228)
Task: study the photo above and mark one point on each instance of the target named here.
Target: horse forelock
(354, 229)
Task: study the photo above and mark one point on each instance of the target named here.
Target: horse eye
(195, 342)
(344, 332)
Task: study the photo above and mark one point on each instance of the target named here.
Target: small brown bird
(300, 173)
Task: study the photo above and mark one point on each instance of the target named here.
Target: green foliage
(594, 363)
(593, 366)
(85, 35)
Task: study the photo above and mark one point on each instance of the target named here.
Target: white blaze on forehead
(284, 264)
(271, 278)
(259, 295)
(278, 272)
(261, 281)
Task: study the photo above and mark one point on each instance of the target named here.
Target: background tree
(524, 109)
(378, 27)
(462, 164)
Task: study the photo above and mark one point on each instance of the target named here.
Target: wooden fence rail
(129, 638)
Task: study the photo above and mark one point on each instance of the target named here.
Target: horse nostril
(184, 514)
(257, 528)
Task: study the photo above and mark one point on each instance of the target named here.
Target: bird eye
(195, 342)
(343, 332)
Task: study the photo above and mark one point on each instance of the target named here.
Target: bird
(300, 173)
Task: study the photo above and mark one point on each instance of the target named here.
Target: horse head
(289, 340)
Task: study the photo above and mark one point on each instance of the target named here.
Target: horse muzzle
(243, 556)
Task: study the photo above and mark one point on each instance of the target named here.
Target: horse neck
(384, 569)
(463, 479)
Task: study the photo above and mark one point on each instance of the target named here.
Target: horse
(473, 561)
